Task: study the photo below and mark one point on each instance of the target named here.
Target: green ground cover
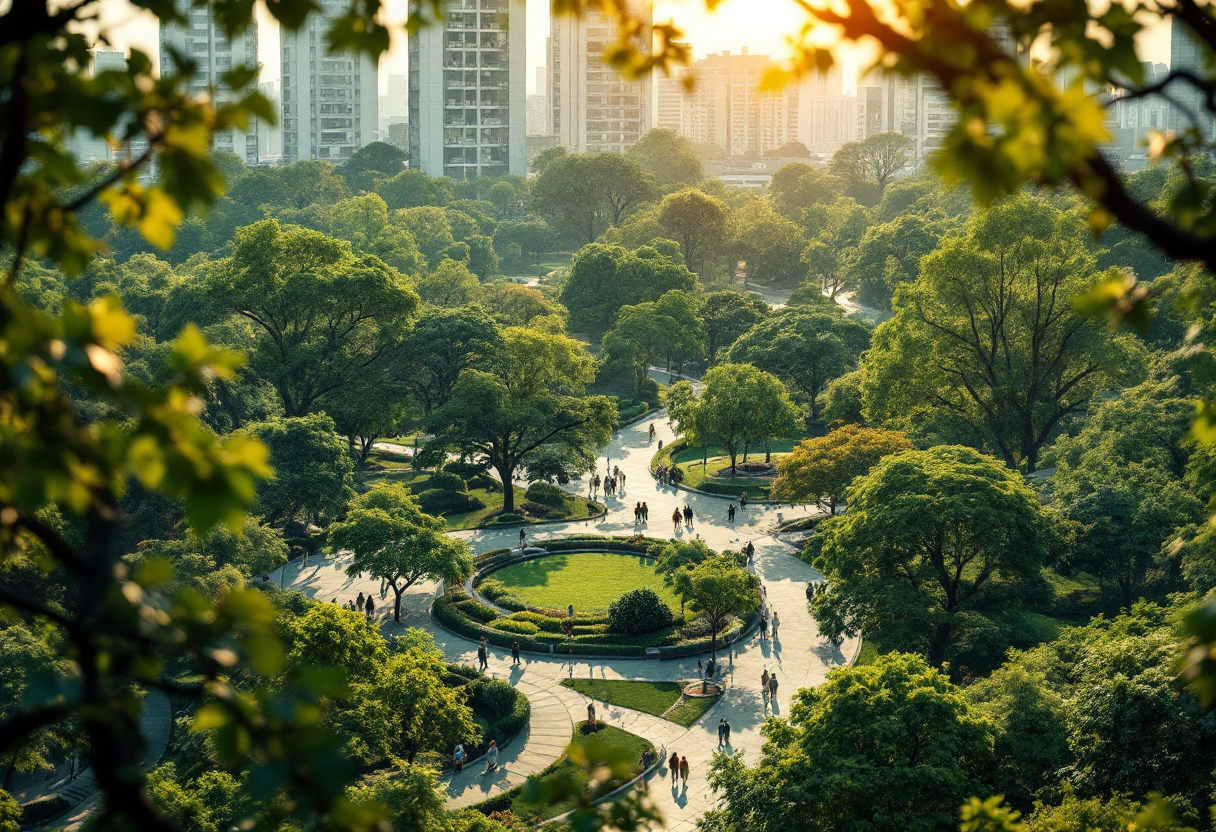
(588, 580)
(691, 460)
(531, 813)
(653, 698)
(396, 469)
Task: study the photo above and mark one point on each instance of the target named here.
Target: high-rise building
(394, 107)
(270, 136)
(727, 108)
(329, 100)
(824, 117)
(1189, 111)
(669, 99)
(594, 109)
(86, 147)
(200, 40)
(467, 91)
(538, 102)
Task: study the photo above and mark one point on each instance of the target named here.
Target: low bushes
(438, 501)
(476, 610)
(545, 494)
(523, 628)
(446, 481)
(43, 809)
(639, 611)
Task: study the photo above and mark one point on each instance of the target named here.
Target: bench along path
(800, 656)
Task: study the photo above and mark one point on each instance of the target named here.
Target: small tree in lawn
(718, 588)
(744, 407)
(393, 540)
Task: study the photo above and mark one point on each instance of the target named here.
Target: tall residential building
(538, 102)
(726, 106)
(669, 99)
(1187, 53)
(824, 118)
(200, 40)
(329, 100)
(270, 136)
(394, 107)
(467, 91)
(594, 109)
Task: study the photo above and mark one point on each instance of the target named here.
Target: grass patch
(691, 710)
(588, 580)
(531, 813)
(867, 655)
(700, 475)
(652, 698)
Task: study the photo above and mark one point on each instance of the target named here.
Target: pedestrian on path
(675, 520)
(637, 513)
(721, 732)
(359, 602)
(688, 515)
(726, 731)
(369, 607)
(730, 514)
(482, 655)
(772, 688)
(776, 624)
(763, 626)
(645, 512)
(492, 757)
(743, 500)
(458, 758)
(764, 684)
(515, 653)
(674, 765)
(591, 724)
(522, 535)
(684, 770)
(652, 431)
(621, 477)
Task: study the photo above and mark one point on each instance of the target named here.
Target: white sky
(762, 26)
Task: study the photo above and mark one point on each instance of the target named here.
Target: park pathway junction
(800, 657)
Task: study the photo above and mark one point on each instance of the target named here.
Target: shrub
(490, 555)
(639, 611)
(546, 494)
(436, 501)
(509, 517)
(510, 602)
(446, 481)
(589, 629)
(476, 610)
(524, 628)
(493, 588)
(43, 808)
(546, 623)
(465, 470)
(493, 698)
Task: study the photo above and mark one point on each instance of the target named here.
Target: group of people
(686, 516)
(363, 604)
(679, 769)
(460, 757)
(613, 483)
(766, 622)
(768, 686)
(815, 588)
(668, 474)
(641, 513)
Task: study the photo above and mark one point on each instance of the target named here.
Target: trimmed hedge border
(447, 612)
(680, 444)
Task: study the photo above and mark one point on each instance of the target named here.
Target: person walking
(763, 626)
(776, 624)
(810, 591)
(726, 732)
(730, 513)
(515, 653)
(684, 769)
(764, 684)
(369, 607)
(570, 611)
(637, 513)
(675, 520)
(359, 602)
(482, 655)
(743, 500)
(721, 732)
(591, 725)
(621, 477)
(652, 431)
(522, 535)
(492, 757)
(688, 515)
(645, 512)
(772, 688)
(458, 758)
(674, 765)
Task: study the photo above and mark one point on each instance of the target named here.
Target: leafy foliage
(639, 611)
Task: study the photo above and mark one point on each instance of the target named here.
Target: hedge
(523, 628)
(546, 494)
(476, 610)
(43, 809)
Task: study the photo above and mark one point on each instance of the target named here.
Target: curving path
(800, 656)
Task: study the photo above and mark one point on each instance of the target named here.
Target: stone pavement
(800, 657)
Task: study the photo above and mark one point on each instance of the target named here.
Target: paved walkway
(800, 657)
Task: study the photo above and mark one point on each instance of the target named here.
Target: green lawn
(531, 813)
(648, 697)
(699, 475)
(588, 580)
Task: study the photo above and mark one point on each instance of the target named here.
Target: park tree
(1011, 356)
(888, 255)
(431, 228)
(728, 315)
(798, 186)
(394, 541)
(443, 344)
(313, 469)
(378, 406)
(804, 347)
(769, 244)
(671, 327)
(412, 188)
(512, 304)
(376, 157)
(821, 468)
(449, 286)
(890, 747)
(528, 399)
(257, 550)
(743, 407)
(669, 157)
(603, 279)
(718, 589)
(933, 544)
(695, 220)
(580, 195)
(835, 232)
(533, 236)
(324, 316)
(877, 157)
(545, 157)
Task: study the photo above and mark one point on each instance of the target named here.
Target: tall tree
(412, 188)
(933, 543)
(891, 747)
(728, 315)
(671, 326)
(719, 590)
(1011, 357)
(528, 399)
(603, 279)
(580, 195)
(313, 469)
(326, 316)
(697, 221)
(742, 407)
(669, 157)
(443, 344)
(804, 347)
(394, 541)
(877, 157)
(769, 244)
(821, 468)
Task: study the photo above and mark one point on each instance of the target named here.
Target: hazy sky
(760, 25)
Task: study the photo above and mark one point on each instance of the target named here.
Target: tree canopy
(821, 468)
(742, 408)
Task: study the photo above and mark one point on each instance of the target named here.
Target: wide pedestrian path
(799, 656)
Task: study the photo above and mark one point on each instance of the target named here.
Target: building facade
(329, 100)
(199, 39)
(1187, 54)
(593, 109)
(467, 91)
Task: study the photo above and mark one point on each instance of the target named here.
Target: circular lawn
(588, 580)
